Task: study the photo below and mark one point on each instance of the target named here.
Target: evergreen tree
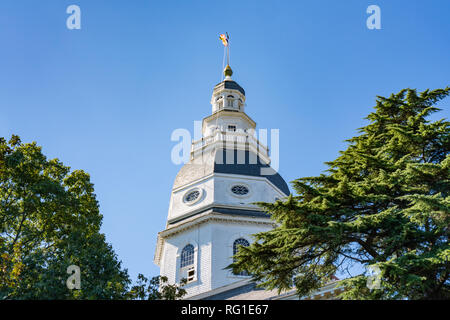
(383, 203)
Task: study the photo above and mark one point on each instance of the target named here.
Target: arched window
(187, 256)
(236, 244)
(230, 100)
(240, 104)
(219, 102)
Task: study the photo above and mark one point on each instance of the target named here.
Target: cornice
(202, 218)
(224, 112)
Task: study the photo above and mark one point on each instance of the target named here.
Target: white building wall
(222, 249)
(223, 122)
(259, 190)
(222, 102)
(216, 190)
(200, 238)
(178, 207)
(213, 242)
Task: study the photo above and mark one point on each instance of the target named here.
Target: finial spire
(228, 72)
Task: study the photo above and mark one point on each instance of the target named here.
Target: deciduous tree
(157, 288)
(49, 220)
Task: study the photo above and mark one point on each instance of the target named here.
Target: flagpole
(223, 63)
(228, 49)
(226, 42)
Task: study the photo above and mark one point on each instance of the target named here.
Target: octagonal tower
(211, 208)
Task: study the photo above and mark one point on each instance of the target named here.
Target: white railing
(229, 138)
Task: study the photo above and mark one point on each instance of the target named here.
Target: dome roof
(215, 162)
(229, 84)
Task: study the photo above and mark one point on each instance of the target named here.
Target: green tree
(384, 203)
(157, 288)
(49, 220)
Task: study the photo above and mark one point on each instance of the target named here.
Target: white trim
(227, 112)
(158, 251)
(186, 186)
(210, 215)
(230, 175)
(331, 288)
(257, 178)
(224, 288)
(210, 206)
(199, 152)
(192, 219)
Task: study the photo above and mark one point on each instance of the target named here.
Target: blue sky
(106, 98)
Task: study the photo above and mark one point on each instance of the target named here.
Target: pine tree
(383, 203)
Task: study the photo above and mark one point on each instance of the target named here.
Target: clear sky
(107, 97)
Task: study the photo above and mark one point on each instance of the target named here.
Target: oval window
(240, 190)
(192, 196)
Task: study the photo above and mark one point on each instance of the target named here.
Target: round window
(239, 190)
(192, 196)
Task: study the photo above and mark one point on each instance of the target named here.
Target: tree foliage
(384, 202)
(49, 220)
(157, 288)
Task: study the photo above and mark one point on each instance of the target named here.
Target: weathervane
(226, 43)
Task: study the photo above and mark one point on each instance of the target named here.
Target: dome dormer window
(240, 104)
(219, 103)
(230, 101)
